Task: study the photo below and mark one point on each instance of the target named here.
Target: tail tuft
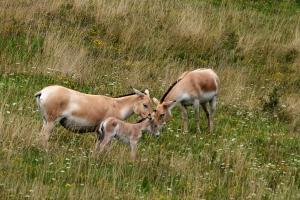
(38, 98)
(101, 132)
(38, 94)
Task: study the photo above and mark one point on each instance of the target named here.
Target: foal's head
(154, 127)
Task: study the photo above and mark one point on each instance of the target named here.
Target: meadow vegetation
(104, 47)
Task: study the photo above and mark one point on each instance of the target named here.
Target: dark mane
(125, 95)
(170, 88)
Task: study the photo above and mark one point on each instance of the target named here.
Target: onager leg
(213, 104)
(46, 132)
(208, 116)
(184, 114)
(133, 146)
(196, 109)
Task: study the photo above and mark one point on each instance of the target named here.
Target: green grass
(20, 48)
(248, 147)
(104, 47)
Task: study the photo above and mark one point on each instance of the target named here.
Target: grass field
(104, 47)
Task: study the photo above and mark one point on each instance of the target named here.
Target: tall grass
(104, 47)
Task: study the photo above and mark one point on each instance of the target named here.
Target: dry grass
(64, 55)
(187, 35)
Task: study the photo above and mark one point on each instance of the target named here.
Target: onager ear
(155, 100)
(147, 92)
(169, 103)
(138, 92)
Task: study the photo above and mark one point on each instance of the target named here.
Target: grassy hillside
(104, 47)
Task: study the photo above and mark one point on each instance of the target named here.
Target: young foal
(197, 87)
(127, 132)
(81, 112)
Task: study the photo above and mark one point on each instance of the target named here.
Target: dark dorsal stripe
(125, 95)
(168, 91)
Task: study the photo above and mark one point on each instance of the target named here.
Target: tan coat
(81, 112)
(197, 87)
(128, 133)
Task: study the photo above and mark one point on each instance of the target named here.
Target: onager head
(162, 112)
(143, 106)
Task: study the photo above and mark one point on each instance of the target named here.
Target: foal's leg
(97, 146)
(196, 109)
(133, 146)
(184, 114)
(104, 143)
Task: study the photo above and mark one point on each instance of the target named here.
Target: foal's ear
(138, 92)
(155, 100)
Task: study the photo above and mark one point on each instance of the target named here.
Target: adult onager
(80, 112)
(129, 133)
(197, 87)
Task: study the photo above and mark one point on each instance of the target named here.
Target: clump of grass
(274, 106)
(272, 103)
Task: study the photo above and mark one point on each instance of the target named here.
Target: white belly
(187, 99)
(123, 138)
(207, 96)
(76, 124)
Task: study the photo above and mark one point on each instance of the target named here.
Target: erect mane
(125, 95)
(141, 120)
(170, 88)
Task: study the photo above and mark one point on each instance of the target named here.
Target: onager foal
(127, 132)
(81, 112)
(197, 87)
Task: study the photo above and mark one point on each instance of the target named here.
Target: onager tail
(38, 101)
(37, 97)
(38, 94)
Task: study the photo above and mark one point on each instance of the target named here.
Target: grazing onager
(197, 87)
(127, 132)
(81, 112)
